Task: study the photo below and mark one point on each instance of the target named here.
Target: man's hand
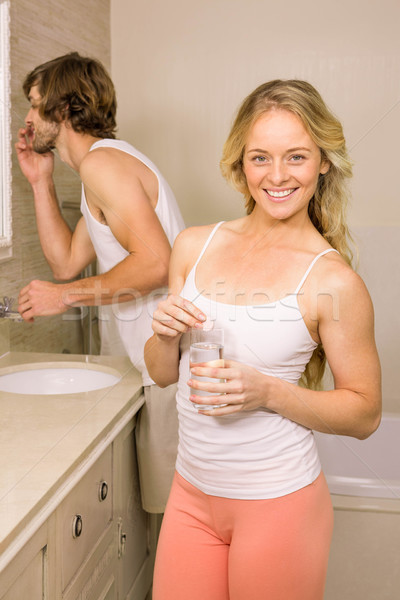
(36, 167)
(42, 298)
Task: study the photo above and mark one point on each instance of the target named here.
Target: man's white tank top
(256, 454)
(133, 319)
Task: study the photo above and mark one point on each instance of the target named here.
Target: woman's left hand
(237, 387)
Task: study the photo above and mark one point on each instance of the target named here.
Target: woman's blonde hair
(327, 207)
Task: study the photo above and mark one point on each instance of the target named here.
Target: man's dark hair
(76, 89)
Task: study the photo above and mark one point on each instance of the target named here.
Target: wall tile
(42, 30)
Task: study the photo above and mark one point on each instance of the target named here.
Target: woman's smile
(280, 195)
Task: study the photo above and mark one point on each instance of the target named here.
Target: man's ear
(63, 114)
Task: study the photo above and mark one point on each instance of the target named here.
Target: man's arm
(113, 188)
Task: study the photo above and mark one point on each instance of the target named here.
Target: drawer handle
(77, 526)
(121, 539)
(103, 491)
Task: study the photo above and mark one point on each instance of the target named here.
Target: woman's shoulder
(188, 245)
(332, 291)
(193, 238)
(333, 276)
(333, 269)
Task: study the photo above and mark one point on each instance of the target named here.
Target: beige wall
(42, 30)
(182, 68)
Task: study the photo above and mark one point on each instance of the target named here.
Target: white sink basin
(54, 378)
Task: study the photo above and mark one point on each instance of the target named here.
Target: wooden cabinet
(31, 574)
(30, 582)
(135, 544)
(98, 544)
(84, 517)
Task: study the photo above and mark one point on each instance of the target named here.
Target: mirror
(5, 132)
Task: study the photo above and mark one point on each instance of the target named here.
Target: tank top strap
(208, 240)
(297, 290)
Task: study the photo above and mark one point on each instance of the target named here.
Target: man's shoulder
(104, 159)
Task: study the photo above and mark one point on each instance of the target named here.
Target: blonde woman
(249, 514)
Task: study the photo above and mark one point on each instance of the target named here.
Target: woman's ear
(325, 166)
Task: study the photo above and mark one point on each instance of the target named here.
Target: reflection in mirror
(5, 135)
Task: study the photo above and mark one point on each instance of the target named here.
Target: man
(130, 220)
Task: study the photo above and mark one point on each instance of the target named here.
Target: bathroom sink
(57, 378)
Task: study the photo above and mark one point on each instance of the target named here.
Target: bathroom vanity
(71, 522)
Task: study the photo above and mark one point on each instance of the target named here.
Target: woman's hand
(174, 316)
(242, 387)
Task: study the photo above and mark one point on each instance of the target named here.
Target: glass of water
(206, 346)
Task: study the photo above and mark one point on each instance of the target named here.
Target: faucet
(6, 312)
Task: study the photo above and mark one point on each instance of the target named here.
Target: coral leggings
(213, 548)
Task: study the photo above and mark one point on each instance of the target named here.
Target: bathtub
(363, 468)
(364, 480)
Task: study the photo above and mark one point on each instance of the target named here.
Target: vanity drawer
(84, 516)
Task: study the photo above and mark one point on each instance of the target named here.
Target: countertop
(45, 440)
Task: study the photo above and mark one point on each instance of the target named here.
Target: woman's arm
(347, 333)
(174, 315)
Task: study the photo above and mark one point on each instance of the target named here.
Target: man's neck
(72, 147)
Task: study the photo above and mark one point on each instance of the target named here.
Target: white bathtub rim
(364, 504)
(354, 485)
(363, 487)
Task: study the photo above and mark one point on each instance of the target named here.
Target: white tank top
(133, 319)
(256, 454)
